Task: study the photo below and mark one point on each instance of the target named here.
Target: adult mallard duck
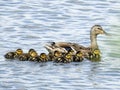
(65, 46)
(13, 54)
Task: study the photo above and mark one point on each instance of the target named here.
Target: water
(32, 23)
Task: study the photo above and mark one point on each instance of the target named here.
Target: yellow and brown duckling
(33, 56)
(50, 56)
(42, 57)
(94, 55)
(18, 53)
(57, 57)
(26, 56)
(67, 58)
(14, 54)
(78, 57)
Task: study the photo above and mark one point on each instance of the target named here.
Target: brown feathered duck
(64, 47)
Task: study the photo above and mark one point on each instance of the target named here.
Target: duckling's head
(96, 52)
(33, 54)
(57, 54)
(30, 50)
(96, 30)
(68, 56)
(79, 54)
(19, 51)
(43, 56)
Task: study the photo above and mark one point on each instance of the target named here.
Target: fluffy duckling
(18, 53)
(78, 57)
(14, 54)
(50, 56)
(68, 57)
(33, 56)
(57, 56)
(26, 56)
(42, 58)
(94, 55)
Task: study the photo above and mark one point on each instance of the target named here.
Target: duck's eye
(99, 28)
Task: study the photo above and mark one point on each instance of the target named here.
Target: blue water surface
(33, 23)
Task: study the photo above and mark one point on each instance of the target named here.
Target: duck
(78, 57)
(65, 46)
(33, 56)
(95, 55)
(42, 57)
(57, 56)
(13, 54)
(18, 53)
(26, 56)
(67, 58)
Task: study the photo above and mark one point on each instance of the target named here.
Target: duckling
(18, 53)
(78, 57)
(14, 54)
(42, 58)
(57, 56)
(94, 55)
(68, 58)
(33, 56)
(25, 56)
(50, 56)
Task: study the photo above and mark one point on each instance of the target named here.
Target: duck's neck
(93, 39)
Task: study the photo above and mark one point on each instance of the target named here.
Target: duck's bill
(107, 33)
(104, 32)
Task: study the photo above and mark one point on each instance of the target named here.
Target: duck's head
(57, 54)
(96, 30)
(79, 54)
(33, 53)
(43, 56)
(19, 51)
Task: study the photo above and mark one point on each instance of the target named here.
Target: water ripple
(32, 23)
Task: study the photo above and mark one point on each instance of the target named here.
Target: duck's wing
(63, 46)
(51, 49)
